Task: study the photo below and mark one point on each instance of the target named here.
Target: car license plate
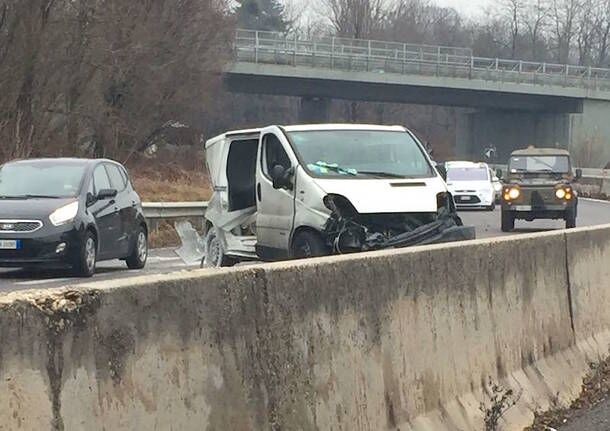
(465, 198)
(10, 244)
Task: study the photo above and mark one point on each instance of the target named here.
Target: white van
(472, 185)
(303, 191)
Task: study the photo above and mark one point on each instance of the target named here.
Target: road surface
(596, 419)
(487, 223)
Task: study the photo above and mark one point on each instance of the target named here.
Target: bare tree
(565, 14)
(512, 11)
(535, 18)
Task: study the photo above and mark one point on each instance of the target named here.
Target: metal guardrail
(155, 211)
(358, 55)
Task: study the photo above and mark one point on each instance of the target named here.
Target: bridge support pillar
(590, 135)
(314, 110)
(508, 131)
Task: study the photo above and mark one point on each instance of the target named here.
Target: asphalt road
(596, 419)
(164, 261)
(590, 213)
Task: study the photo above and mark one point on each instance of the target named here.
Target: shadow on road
(34, 274)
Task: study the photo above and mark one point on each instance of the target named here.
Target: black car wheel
(508, 221)
(308, 244)
(85, 267)
(139, 254)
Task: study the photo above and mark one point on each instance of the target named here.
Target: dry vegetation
(595, 389)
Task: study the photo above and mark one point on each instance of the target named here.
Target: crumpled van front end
(361, 205)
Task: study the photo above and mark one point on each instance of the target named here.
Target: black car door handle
(259, 192)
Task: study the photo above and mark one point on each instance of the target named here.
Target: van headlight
(64, 214)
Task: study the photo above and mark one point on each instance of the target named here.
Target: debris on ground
(595, 390)
(193, 247)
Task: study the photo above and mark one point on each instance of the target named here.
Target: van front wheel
(308, 244)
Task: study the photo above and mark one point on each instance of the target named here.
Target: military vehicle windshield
(539, 164)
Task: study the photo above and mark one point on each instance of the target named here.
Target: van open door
(275, 201)
(231, 161)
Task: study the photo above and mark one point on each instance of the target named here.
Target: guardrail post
(295, 50)
(497, 64)
(332, 53)
(256, 47)
(368, 57)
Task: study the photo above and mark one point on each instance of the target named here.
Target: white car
(301, 191)
(472, 185)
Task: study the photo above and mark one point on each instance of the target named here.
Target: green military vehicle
(539, 184)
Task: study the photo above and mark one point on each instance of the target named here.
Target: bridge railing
(356, 55)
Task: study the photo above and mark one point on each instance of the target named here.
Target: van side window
(273, 154)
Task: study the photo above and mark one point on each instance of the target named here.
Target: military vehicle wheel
(508, 221)
(570, 218)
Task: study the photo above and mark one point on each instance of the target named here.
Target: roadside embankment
(396, 339)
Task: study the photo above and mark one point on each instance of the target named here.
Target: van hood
(387, 195)
(457, 186)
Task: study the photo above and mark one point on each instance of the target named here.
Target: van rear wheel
(215, 256)
(308, 244)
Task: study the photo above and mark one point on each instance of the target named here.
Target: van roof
(307, 128)
(466, 164)
(533, 151)
(312, 127)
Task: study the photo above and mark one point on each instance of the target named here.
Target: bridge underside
(397, 93)
(502, 115)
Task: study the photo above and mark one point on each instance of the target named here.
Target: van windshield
(361, 153)
(467, 174)
(539, 164)
(40, 180)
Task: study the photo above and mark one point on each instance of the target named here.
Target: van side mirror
(578, 174)
(280, 177)
(499, 173)
(442, 171)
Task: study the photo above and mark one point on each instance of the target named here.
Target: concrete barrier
(390, 340)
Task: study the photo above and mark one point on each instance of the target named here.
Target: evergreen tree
(266, 15)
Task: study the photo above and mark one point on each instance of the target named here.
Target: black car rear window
(53, 180)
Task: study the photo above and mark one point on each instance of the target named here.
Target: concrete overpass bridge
(510, 103)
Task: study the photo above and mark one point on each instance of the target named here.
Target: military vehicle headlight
(512, 193)
(560, 193)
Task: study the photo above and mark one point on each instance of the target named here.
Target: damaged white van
(303, 191)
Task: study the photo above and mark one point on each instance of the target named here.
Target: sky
(471, 8)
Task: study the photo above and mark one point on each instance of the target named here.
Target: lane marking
(47, 281)
(599, 201)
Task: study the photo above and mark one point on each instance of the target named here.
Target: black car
(69, 212)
